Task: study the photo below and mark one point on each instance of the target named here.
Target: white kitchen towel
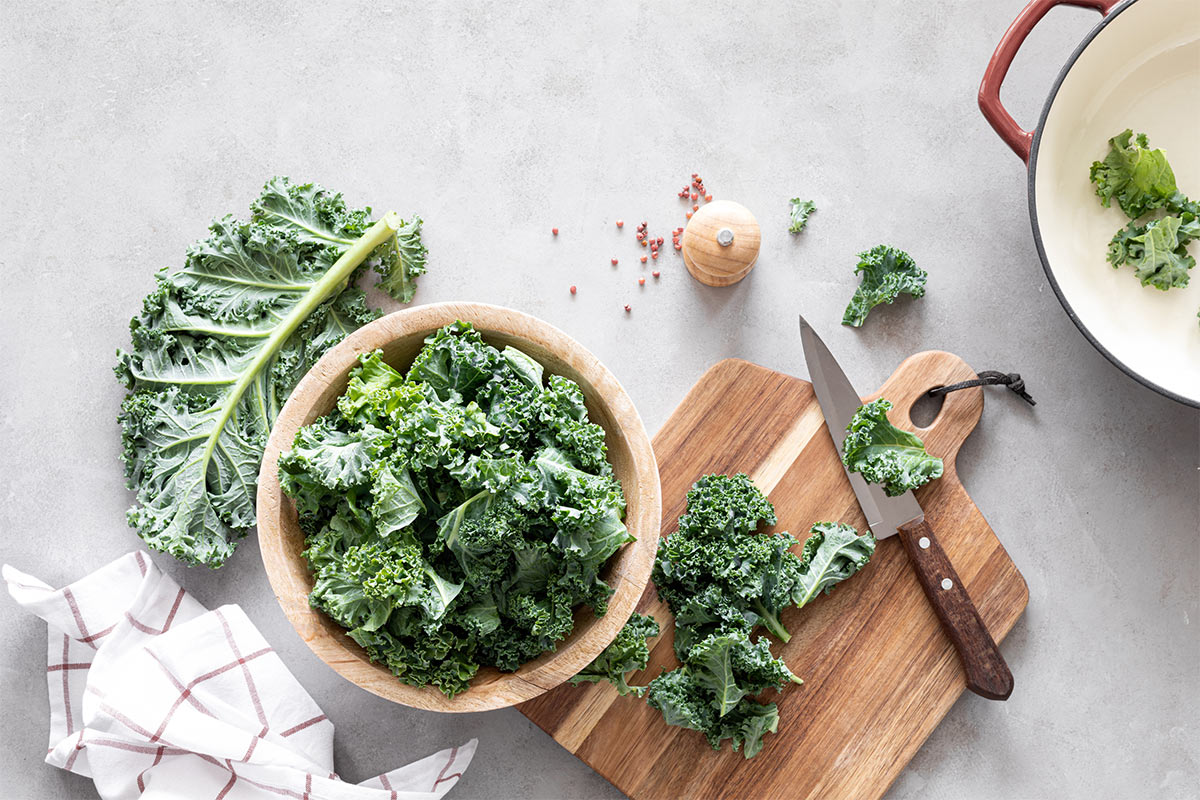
(153, 696)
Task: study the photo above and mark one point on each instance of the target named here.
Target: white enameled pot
(1138, 68)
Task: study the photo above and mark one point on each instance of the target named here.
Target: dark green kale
(710, 691)
(456, 515)
(887, 272)
(629, 652)
(717, 574)
(722, 579)
(1139, 178)
(799, 214)
(884, 454)
(1157, 250)
(1142, 182)
(220, 344)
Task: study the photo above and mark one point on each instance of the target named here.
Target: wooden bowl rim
(290, 581)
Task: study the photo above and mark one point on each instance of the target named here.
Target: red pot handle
(989, 90)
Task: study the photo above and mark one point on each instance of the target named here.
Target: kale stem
(771, 622)
(376, 235)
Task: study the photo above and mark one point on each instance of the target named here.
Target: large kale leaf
(887, 272)
(459, 514)
(885, 454)
(220, 344)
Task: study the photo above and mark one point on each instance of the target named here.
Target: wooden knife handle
(987, 674)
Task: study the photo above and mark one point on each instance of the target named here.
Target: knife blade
(839, 401)
(986, 671)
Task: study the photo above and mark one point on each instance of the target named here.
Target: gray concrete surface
(125, 126)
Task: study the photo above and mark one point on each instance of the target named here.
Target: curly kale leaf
(799, 214)
(721, 579)
(883, 454)
(1157, 250)
(401, 260)
(456, 515)
(730, 667)
(219, 346)
(1139, 178)
(833, 552)
(746, 726)
(629, 652)
(726, 506)
(887, 272)
(709, 691)
(717, 574)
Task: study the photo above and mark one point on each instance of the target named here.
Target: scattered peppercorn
(554, 231)
(656, 273)
(643, 259)
(627, 308)
(614, 262)
(695, 208)
(620, 223)
(708, 198)
(641, 281)
(689, 215)
(572, 289)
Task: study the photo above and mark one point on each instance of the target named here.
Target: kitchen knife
(987, 674)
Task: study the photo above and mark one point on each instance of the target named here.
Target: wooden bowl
(400, 336)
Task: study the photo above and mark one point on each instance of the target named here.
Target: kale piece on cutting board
(884, 454)
(722, 579)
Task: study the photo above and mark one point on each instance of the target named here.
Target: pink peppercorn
(614, 262)
(554, 231)
(641, 281)
(656, 273)
(572, 290)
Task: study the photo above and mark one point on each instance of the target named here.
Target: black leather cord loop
(990, 377)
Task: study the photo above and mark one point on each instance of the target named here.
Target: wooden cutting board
(878, 672)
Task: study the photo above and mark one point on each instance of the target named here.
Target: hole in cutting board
(925, 409)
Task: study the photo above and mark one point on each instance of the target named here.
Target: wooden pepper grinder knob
(720, 243)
